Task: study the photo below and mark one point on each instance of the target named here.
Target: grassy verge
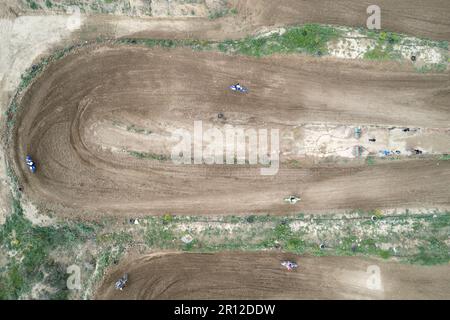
(148, 155)
(384, 48)
(40, 255)
(390, 45)
(30, 247)
(133, 128)
(315, 39)
(222, 13)
(403, 236)
(310, 39)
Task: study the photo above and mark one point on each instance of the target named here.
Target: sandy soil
(260, 276)
(161, 89)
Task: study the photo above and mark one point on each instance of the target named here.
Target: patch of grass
(445, 157)
(48, 4)
(32, 245)
(384, 48)
(168, 43)
(435, 251)
(269, 232)
(370, 161)
(295, 245)
(385, 254)
(135, 129)
(108, 256)
(148, 155)
(440, 221)
(159, 234)
(221, 13)
(121, 238)
(378, 53)
(189, 246)
(389, 38)
(283, 236)
(12, 283)
(385, 42)
(310, 38)
(167, 218)
(33, 5)
(436, 67)
(384, 37)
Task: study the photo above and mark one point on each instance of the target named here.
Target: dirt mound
(162, 90)
(261, 276)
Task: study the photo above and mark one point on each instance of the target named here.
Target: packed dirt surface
(404, 16)
(260, 276)
(163, 90)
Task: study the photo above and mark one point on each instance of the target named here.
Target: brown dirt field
(405, 16)
(170, 89)
(232, 275)
(413, 17)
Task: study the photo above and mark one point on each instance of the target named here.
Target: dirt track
(158, 89)
(260, 276)
(406, 16)
(413, 17)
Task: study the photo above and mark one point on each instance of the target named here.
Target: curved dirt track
(234, 275)
(80, 170)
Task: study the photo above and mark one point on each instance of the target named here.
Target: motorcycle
(237, 87)
(290, 265)
(30, 163)
(120, 284)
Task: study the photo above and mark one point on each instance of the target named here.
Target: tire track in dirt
(171, 89)
(233, 275)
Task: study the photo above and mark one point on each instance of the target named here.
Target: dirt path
(405, 16)
(162, 90)
(411, 17)
(260, 276)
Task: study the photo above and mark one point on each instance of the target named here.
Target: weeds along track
(68, 121)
